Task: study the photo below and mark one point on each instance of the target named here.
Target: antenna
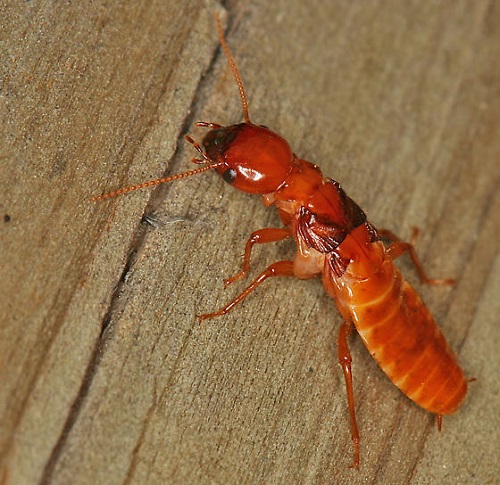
(233, 67)
(151, 183)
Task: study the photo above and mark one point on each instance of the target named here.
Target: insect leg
(399, 247)
(439, 421)
(345, 360)
(262, 236)
(281, 268)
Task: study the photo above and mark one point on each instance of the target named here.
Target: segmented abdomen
(400, 332)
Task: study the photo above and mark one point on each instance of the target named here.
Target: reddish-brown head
(252, 158)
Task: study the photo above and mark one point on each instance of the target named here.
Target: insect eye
(229, 175)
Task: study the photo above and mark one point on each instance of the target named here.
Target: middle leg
(281, 268)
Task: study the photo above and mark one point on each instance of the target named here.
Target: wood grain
(106, 375)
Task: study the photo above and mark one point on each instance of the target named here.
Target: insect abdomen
(401, 334)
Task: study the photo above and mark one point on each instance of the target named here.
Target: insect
(335, 240)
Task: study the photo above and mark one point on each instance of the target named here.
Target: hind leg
(345, 361)
(398, 247)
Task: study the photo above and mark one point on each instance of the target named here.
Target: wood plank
(107, 377)
(83, 87)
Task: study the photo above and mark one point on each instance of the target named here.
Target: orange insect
(335, 240)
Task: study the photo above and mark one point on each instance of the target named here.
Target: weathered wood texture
(106, 377)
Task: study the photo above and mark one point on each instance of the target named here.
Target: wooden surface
(106, 377)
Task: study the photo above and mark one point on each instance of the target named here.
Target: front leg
(262, 236)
